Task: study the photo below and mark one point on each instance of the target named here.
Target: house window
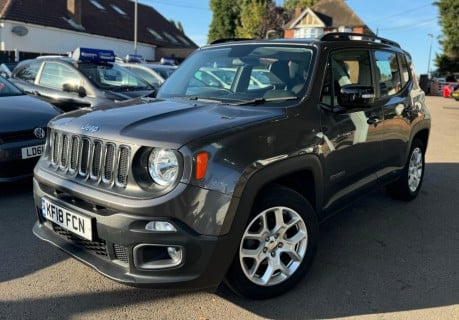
(185, 41)
(344, 29)
(97, 5)
(170, 37)
(155, 34)
(118, 9)
(309, 33)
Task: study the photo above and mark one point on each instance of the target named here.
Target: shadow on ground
(377, 256)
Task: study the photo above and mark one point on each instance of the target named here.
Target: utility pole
(135, 27)
(430, 52)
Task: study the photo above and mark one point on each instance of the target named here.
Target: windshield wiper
(258, 101)
(204, 99)
(129, 88)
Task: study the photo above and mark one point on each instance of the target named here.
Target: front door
(352, 137)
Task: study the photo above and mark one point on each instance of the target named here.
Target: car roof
(343, 39)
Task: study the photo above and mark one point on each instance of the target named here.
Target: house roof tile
(109, 21)
(334, 13)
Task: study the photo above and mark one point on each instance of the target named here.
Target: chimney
(298, 11)
(74, 10)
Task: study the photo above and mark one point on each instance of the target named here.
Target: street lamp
(430, 52)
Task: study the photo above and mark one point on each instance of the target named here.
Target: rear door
(395, 85)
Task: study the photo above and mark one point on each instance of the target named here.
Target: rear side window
(388, 73)
(28, 72)
(405, 68)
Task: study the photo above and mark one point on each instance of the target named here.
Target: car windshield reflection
(112, 77)
(7, 89)
(245, 74)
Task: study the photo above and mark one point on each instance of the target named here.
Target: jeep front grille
(97, 160)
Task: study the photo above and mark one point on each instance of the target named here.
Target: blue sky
(406, 22)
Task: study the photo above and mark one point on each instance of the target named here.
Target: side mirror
(356, 96)
(81, 91)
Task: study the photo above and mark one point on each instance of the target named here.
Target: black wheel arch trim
(250, 185)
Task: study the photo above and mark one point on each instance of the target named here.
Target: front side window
(346, 67)
(242, 73)
(388, 73)
(54, 75)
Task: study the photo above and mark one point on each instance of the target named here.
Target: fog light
(162, 226)
(175, 254)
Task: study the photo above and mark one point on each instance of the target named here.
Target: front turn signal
(201, 165)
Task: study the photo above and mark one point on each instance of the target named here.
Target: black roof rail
(336, 36)
(229, 39)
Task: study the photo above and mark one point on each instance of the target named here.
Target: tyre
(409, 183)
(277, 247)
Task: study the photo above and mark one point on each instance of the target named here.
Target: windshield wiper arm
(204, 99)
(258, 101)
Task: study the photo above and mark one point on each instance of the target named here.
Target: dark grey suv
(226, 175)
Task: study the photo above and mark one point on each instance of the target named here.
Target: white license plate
(34, 151)
(71, 221)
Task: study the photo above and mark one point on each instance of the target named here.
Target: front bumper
(12, 166)
(121, 247)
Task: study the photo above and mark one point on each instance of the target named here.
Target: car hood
(125, 95)
(162, 123)
(18, 113)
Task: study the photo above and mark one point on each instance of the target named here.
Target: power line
(410, 26)
(403, 12)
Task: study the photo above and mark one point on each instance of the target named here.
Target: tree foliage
(251, 15)
(290, 5)
(224, 21)
(449, 60)
(274, 20)
(250, 18)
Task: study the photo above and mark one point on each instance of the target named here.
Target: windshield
(112, 77)
(7, 89)
(242, 73)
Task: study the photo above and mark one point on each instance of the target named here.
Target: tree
(224, 21)
(177, 24)
(449, 60)
(290, 5)
(251, 15)
(273, 22)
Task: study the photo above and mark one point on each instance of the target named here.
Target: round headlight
(163, 166)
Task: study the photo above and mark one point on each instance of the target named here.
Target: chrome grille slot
(54, 149)
(109, 162)
(64, 152)
(96, 160)
(100, 161)
(74, 152)
(85, 157)
(123, 165)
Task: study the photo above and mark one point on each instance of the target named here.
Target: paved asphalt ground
(378, 259)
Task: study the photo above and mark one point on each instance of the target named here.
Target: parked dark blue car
(23, 121)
